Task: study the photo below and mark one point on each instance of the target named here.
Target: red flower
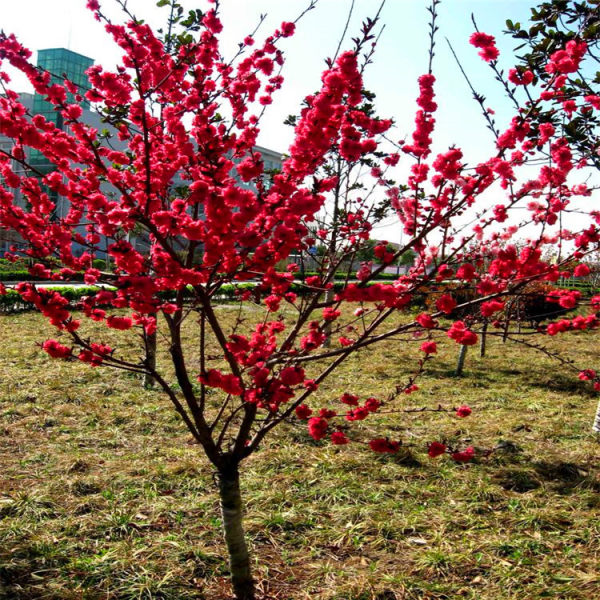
(446, 303)
(311, 385)
(489, 54)
(581, 271)
(327, 413)
(429, 347)
(461, 335)
(490, 307)
(303, 412)
(587, 374)
(122, 323)
(517, 78)
(358, 414)
(481, 40)
(487, 43)
(317, 428)
(330, 314)
(383, 445)
(464, 455)
(228, 383)
(272, 302)
(292, 375)
(425, 99)
(349, 399)
(436, 449)
(463, 411)
(372, 404)
(425, 320)
(55, 349)
(87, 356)
(287, 29)
(466, 271)
(338, 438)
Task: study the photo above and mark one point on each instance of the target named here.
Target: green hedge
(26, 276)
(7, 265)
(17, 276)
(12, 301)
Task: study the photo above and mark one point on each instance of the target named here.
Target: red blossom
(461, 335)
(446, 303)
(56, 349)
(425, 320)
(383, 445)
(487, 43)
(230, 384)
(436, 449)
(181, 205)
(349, 399)
(490, 307)
(465, 455)
(292, 375)
(317, 427)
(338, 438)
(372, 404)
(303, 412)
(463, 411)
(520, 78)
(287, 29)
(358, 414)
(581, 271)
(429, 347)
(587, 374)
(119, 322)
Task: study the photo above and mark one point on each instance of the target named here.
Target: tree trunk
(239, 559)
(460, 365)
(150, 359)
(596, 426)
(482, 345)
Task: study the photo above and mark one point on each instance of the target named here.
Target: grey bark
(239, 558)
(460, 365)
(483, 343)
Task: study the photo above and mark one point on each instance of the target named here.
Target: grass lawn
(103, 495)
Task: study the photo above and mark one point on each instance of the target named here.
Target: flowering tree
(178, 167)
(555, 24)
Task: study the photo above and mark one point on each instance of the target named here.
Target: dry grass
(102, 495)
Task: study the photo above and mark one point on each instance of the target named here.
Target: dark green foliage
(99, 264)
(553, 24)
